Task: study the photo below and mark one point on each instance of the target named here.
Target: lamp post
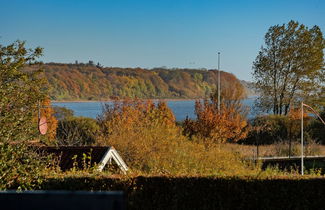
(219, 82)
(302, 138)
(302, 131)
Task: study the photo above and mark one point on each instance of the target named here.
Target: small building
(78, 156)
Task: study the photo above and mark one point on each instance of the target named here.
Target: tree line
(90, 82)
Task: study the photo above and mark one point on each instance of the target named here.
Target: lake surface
(181, 108)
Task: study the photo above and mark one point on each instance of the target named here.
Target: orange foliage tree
(225, 125)
(52, 123)
(232, 92)
(294, 125)
(217, 126)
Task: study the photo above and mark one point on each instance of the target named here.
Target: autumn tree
(141, 130)
(225, 125)
(213, 125)
(288, 68)
(20, 91)
(46, 110)
(232, 92)
(147, 137)
(294, 125)
(132, 115)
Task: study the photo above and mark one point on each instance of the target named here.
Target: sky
(153, 33)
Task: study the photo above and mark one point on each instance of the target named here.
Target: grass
(276, 150)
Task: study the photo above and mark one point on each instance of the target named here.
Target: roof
(68, 155)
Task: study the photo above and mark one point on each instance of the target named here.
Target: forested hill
(89, 82)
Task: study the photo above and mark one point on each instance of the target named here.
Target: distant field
(276, 150)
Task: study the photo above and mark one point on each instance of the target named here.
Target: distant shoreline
(152, 99)
(110, 100)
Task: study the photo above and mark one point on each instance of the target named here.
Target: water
(181, 108)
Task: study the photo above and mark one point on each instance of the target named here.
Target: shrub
(165, 192)
(77, 131)
(226, 125)
(316, 129)
(271, 129)
(267, 130)
(61, 113)
(20, 168)
(146, 136)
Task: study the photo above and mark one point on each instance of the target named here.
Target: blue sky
(155, 33)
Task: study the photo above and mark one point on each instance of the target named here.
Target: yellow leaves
(134, 115)
(146, 136)
(138, 127)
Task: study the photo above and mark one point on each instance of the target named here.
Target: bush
(316, 129)
(204, 192)
(61, 113)
(77, 131)
(149, 141)
(20, 168)
(272, 129)
(226, 125)
(268, 129)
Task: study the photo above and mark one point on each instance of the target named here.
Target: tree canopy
(227, 124)
(20, 91)
(85, 82)
(289, 68)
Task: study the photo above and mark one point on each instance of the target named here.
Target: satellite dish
(42, 125)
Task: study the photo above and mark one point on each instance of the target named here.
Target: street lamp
(302, 131)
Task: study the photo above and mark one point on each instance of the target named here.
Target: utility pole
(219, 82)
(302, 138)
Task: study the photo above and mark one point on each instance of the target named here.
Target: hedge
(204, 192)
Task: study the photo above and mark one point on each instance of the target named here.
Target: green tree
(289, 67)
(61, 113)
(20, 91)
(77, 131)
(21, 168)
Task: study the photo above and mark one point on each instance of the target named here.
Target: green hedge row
(204, 192)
